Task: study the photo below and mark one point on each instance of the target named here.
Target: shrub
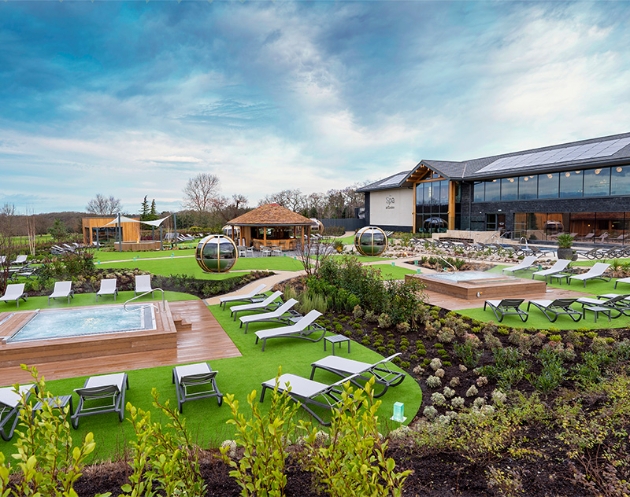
(438, 399)
(434, 382)
(353, 463)
(265, 438)
(46, 458)
(446, 335)
(164, 458)
(384, 321)
(467, 353)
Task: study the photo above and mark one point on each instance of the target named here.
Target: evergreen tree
(153, 210)
(144, 209)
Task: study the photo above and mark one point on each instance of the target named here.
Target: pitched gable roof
(271, 215)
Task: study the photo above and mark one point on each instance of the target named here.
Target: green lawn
(393, 272)
(239, 376)
(537, 320)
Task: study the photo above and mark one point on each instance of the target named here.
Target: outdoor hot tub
(472, 285)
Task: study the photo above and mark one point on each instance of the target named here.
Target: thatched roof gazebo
(272, 225)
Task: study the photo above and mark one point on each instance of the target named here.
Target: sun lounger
(195, 381)
(13, 292)
(101, 394)
(621, 280)
(10, 404)
(62, 290)
(526, 263)
(559, 266)
(108, 287)
(363, 371)
(554, 308)
(246, 297)
(268, 304)
(3, 259)
(282, 314)
(613, 301)
(143, 285)
(308, 393)
(506, 307)
(20, 260)
(302, 329)
(596, 272)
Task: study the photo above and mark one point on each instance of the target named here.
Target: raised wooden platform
(482, 289)
(202, 339)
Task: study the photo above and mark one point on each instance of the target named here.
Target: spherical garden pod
(370, 240)
(317, 226)
(216, 254)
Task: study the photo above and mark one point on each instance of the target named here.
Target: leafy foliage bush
(49, 462)
(353, 461)
(165, 461)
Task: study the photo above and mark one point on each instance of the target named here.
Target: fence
(349, 224)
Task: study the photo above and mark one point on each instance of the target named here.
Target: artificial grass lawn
(86, 299)
(167, 266)
(391, 272)
(538, 321)
(239, 376)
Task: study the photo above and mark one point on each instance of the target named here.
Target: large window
(509, 189)
(597, 182)
(527, 187)
(548, 185)
(432, 205)
(571, 184)
(600, 182)
(620, 180)
(493, 190)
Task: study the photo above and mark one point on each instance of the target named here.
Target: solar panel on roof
(584, 151)
(394, 180)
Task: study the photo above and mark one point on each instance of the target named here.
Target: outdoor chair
(589, 236)
(382, 373)
(559, 266)
(506, 307)
(526, 263)
(195, 381)
(303, 329)
(309, 393)
(242, 251)
(101, 394)
(265, 251)
(108, 287)
(265, 305)
(143, 285)
(603, 236)
(596, 253)
(621, 280)
(20, 260)
(613, 302)
(596, 272)
(14, 291)
(554, 308)
(246, 297)
(10, 404)
(62, 290)
(282, 314)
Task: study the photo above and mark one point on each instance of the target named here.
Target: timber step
(181, 324)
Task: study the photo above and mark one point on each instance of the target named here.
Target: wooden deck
(202, 340)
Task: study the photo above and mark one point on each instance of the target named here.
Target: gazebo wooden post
(265, 236)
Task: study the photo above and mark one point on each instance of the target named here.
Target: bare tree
(103, 206)
(314, 252)
(201, 193)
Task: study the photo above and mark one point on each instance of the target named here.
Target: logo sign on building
(389, 202)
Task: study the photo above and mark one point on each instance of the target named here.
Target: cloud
(132, 99)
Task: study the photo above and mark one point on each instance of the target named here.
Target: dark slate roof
(607, 150)
(394, 181)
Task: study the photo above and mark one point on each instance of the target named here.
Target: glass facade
(608, 226)
(600, 182)
(432, 205)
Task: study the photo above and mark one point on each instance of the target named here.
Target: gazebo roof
(271, 215)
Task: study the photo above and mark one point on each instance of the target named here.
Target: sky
(135, 98)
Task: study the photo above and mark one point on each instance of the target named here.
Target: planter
(565, 253)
